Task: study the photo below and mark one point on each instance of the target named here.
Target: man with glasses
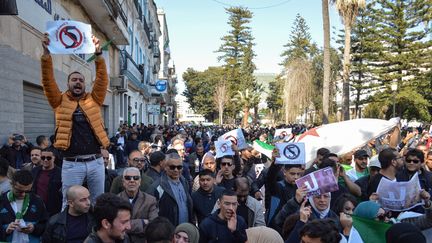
(414, 163)
(225, 177)
(35, 154)
(144, 206)
(136, 159)
(172, 192)
(224, 226)
(21, 211)
(47, 182)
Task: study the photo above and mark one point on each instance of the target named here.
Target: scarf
(25, 205)
(321, 214)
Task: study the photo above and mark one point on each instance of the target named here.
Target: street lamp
(394, 88)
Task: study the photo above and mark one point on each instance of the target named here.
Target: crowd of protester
(165, 184)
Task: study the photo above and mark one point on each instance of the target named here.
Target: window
(136, 53)
(140, 56)
(130, 40)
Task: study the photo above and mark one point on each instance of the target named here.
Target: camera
(18, 137)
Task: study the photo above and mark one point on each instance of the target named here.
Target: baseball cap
(374, 162)
(360, 154)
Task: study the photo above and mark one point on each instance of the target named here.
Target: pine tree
(237, 54)
(404, 55)
(300, 42)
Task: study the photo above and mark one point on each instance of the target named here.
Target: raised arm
(49, 84)
(101, 82)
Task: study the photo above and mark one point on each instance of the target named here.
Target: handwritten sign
(319, 182)
(399, 196)
(291, 153)
(69, 37)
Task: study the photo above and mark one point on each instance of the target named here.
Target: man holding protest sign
(79, 133)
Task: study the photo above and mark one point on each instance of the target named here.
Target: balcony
(109, 17)
(134, 72)
(139, 10)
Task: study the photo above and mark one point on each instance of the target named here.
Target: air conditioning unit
(119, 83)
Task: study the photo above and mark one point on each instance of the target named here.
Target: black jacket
(204, 202)
(10, 153)
(168, 207)
(93, 238)
(279, 191)
(213, 229)
(55, 196)
(36, 214)
(56, 230)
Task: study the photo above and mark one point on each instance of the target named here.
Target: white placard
(399, 196)
(223, 147)
(236, 137)
(291, 153)
(69, 37)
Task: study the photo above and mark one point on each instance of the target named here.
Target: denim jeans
(74, 173)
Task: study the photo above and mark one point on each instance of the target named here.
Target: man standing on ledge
(79, 133)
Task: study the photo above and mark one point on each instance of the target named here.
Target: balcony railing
(117, 10)
(139, 10)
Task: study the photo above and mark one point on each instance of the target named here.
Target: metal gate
(38, 114)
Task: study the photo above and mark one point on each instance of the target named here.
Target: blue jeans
(74, 173)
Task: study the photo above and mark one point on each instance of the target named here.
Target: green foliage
(237, 55)
(300, 42)
(200, 89)
(318, 78)
(390, 44)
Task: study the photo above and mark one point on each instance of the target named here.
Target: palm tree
(246, 100)
(348, 10)
(326, 61)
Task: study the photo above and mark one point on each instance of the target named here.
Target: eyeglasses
(129, 178)
(226, 164)
(46, 158)
(415, 161)
(178, 167)
(21, 191)
(138, 160)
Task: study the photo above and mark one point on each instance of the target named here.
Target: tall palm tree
(326, 61)
(246, 99)
(348, 10)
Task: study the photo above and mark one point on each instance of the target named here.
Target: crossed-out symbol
(232, 138)
(283, 134)
(291, 151)
(224, 148)
(70, 37)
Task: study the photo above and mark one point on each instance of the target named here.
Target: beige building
(133, 60)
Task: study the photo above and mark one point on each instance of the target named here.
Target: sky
(195, 28)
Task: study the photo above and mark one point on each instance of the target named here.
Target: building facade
(133, 62)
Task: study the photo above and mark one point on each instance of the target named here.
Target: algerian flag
(263, 148)
(371, 231)
(104, 47)
(343, 137)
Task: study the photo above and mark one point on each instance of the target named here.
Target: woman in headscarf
(319, 209)
(186, 233)
(263, 234)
